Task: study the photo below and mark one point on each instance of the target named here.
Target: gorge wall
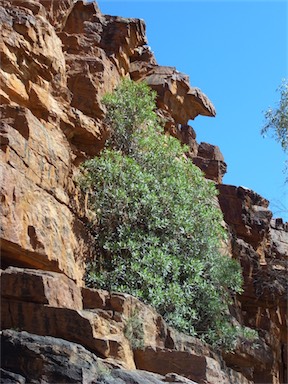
(58, 58)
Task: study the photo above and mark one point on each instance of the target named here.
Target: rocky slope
(58, 58)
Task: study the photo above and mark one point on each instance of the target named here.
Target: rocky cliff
(58, 58)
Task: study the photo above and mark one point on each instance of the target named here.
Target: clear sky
(236, 53)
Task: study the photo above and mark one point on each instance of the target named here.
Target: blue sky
(236, 53)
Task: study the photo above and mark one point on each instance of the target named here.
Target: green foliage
(158, 230)
(277, 123)
(134, 331)
(277, 118)
(130, 108)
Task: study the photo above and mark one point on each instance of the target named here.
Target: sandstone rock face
(36, 218)
(60, 315)
(58, 58)
(39, 130)
(41, 287)
(210, 160)
(35, 305)
(261, 246)
(174, 92)
(57, 11)
(246, 212)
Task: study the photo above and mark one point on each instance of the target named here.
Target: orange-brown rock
(58, 58)
(210, 160)
(261, 246)
(38, 228)
(201, 369)
(57, 11)
(42, 137)
(174, 92)
(41, 287)
(246, 212)
(60, 314)
(31, 53)
(33, 302)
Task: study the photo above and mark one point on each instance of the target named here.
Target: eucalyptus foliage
(157, 228)
(276, 119)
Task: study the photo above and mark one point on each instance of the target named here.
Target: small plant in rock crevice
(134, 330)
(157, 231)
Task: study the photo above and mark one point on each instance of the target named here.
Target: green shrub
(158, 231)
(134, 330)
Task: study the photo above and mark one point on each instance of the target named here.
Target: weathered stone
(142, 55)
(117, 36)
(38, 228)
(202, 369)
(125, 307)
(181, 342)
(43, 287)
(174, 92)
(38, 46)
(245, 212)
(210, 152)
(7, 377)
(143, 377)
(210, 160)
(263, 306)
(89, 78)
(250, 358)
(95, 298)
(58, 58)
(33, 5)
(46, 359)
(279, 240)
(213, 169)
(57, 11)
(100, 335)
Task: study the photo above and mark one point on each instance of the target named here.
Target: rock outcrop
(58, 58)
(92, 324)
(57, 61)
(261, 246)
(60, 361)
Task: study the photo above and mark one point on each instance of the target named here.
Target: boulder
(46, 359)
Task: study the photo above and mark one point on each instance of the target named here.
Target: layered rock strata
(94, 324)
(58, 58)
(57, 61)
(261, 246)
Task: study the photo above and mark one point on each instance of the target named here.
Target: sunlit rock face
(58, 58)
(57, 61)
